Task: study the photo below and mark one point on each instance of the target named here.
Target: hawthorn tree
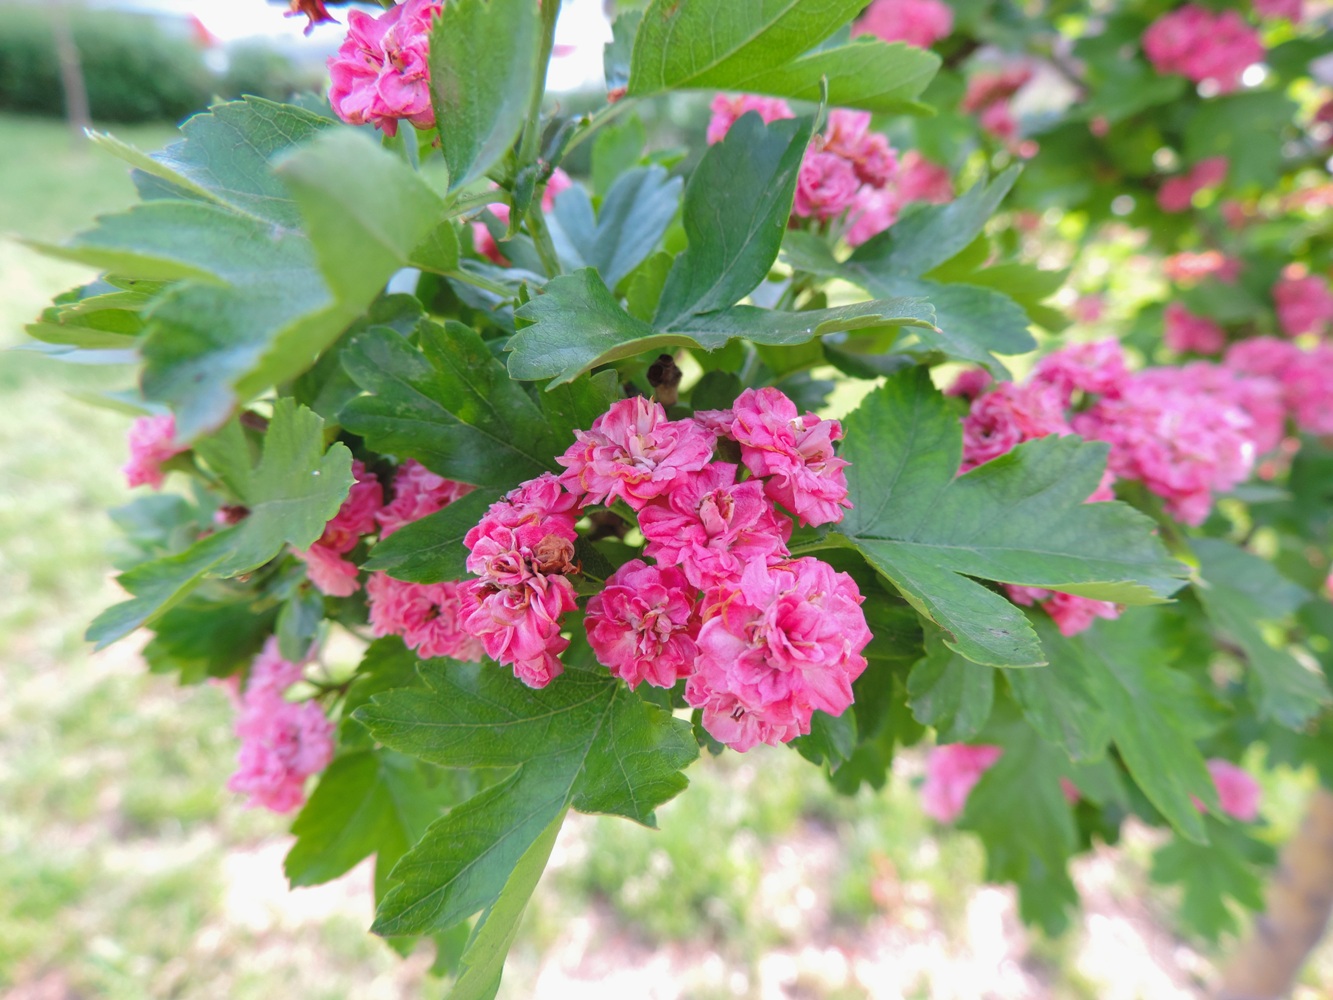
(552, 454)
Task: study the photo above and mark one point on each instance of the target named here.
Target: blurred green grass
(127, 870)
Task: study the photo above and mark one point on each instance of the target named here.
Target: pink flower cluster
(521, 551)
(482, 239)
(952, 771)
(1186, 433)
(1188, 267)
(764, 640)
(381, 72)
(849, 172)
(1302, 379)
(325, 561)
(1201, 45)
(282, 742)
(1304, 303)
(988, 97)
(1237, 792)
(151, 441)
(1291, 10)
(427, 616)
(917, 22)
(1177, 193)
(1188, 333)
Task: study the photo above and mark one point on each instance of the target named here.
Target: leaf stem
(477, 281)
(597, 120)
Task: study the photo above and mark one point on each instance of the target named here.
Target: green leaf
(293, 491)
(1239, 591)
(1019, 519)
(972, 323)
(713, 43)
(1147, 707)
(431, 550)
(367, 802)
(585, 742)
(451, 405)
(483, 961)
(298, 623)
(951, 693)
(616, 150)
(439, 251)
(202, 638)
(1228, 872)
(576, 325)
(1022, 817)
(616, 54)
(866, 73)
(831, 740)
(933, 234)
(481, 102)
(632, 220)
(736, 208)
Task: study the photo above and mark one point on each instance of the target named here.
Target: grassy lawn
(127, 870)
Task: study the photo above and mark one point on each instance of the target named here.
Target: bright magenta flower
(642, 625)
(952, 771)
(381, 73)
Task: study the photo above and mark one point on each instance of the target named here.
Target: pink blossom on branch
(728, 110)
(520, 625)
(952, 771)
(825, 187)
(710, 526)
(1177, 193)
(1188, 333)
(1237, 792)
(793, 453)
(1005, 417)
(417, 492)
(643, 624)
(635, 453)
(484, 242)
(1201, 45)
(917, 22)
(428, 616)
(1304, 303)
(381, 72)
(152, 441)
(918, 179)
(328, 571)
(848, 135)
(282, 742)
(777, 644)
(1291, 10)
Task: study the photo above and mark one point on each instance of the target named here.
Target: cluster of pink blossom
(1177, 193)
(1302, 379)
(1190, 333)
(482, 239)
(427, 616)
(765, 640)
(1186, 433)
(917, 22)
(1201, 45)
(381, 72)
(1304, 302)
(151, 442)
(521, 552)
(1291, 10)
(325, 561)
(849, 172)
(282, 742)
(953, 770)
(988, 97)
(1188, 267)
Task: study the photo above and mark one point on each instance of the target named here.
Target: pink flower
(970, 383)
(794, 452)
(428, 616)
(151, 442)
(777, 644)
(1237, 792)
(1265, 356)
(1304, 303)
(917, 22)
(1290, 10)
(920, 180)
(1088, 308)
(825, 187)
(327, 570)
(1007, 416)
(1177, 193)
(1186, 332)
(642, 626)
(871, 213)
(998, 120)
(1201, 45)
(282, 742)
(728, 110)
(484, 242)
(530, 532)
(952, 771)
(520, 625)
(381, 73)
(1187, 267)
(988, 87)
(417, 492)
(1308, 388)
(634, 452)
(1096, 368)
(1071, 614)
(710, 526)
(848, 135)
